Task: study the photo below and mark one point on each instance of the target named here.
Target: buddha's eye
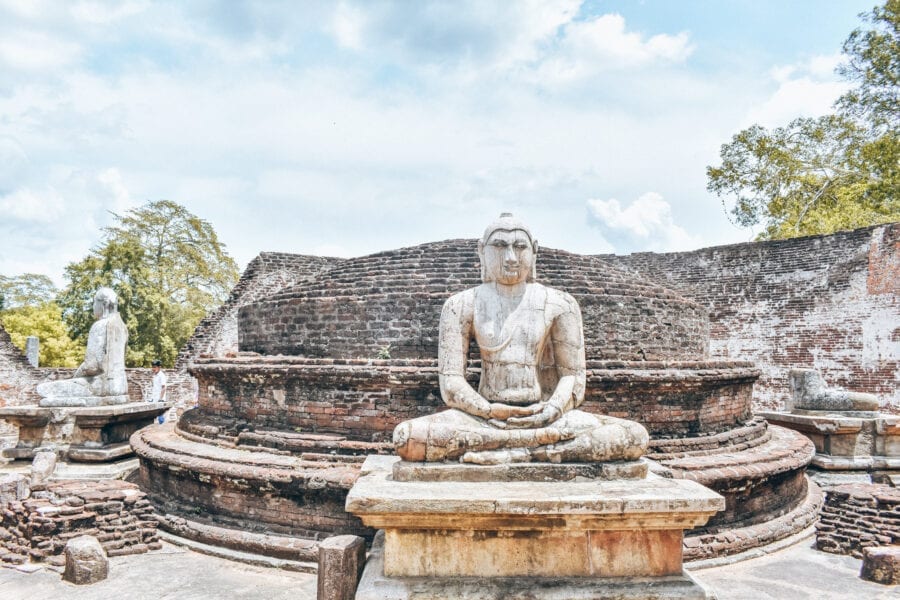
(499, 244)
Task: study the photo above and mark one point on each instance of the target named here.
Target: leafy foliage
(44, 320)
(874, 66)
(168, 268)
(28, 289)
(839, 171)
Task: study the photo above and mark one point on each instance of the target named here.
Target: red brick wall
(827, 302)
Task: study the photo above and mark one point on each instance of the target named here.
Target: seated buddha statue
(99, 380)
(533, 372)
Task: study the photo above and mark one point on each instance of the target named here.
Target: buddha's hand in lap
(539, 415)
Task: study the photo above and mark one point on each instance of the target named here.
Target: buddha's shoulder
(461, 301)
(560, 301)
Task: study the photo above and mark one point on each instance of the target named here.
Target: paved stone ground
(794, 573)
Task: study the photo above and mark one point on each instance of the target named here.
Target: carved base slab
(447, 471)
(72, 401)
(374, 585)
(594, 534)
(846, 441)
(79, 434)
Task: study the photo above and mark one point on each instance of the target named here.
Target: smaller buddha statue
(809, 392)
(100, 380)
(533, 372)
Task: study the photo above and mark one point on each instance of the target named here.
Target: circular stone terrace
(330, 365)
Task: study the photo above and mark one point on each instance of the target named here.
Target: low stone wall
(117, 513)
(857, 516)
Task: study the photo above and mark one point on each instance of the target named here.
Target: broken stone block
(42, 468)
(13, 487)
(86, 561)
(341, 560)
(881, 564)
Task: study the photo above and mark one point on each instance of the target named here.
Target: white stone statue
(100, 380)
(809, 392)
(533, 372)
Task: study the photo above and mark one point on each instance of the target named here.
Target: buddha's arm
(95, 352)
(453, 347)
(567, 338)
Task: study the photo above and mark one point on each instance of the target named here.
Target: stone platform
(847, 441)
(576, 539)
(79, 434)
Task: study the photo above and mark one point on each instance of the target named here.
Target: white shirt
(159, 383)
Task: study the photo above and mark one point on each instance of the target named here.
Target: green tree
(44, 320)
(30, 309)
(169, 270)
(839, 171)
(28, 289)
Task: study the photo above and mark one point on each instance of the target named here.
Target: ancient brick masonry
(216, 335)
(391, 302)
(857, 516)
(117, 513)
(826, 302)
(17, 379)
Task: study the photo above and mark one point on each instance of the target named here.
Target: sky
(347, 128)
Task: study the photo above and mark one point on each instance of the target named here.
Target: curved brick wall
(365, 399)
(828, 302)
(393, 300)
(216, 334)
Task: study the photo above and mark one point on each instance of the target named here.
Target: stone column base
(374, 585)
(553, 538)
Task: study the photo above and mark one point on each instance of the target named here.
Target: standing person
(158, 391)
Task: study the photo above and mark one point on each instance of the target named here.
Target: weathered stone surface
(32, 349)
(374, 585)
(13, 487)
(629, 527)
(881, 564)
(86, 561)
(809, 392)
(100, 380)
(80, 434)
(42, 468)
(341, 562)
(407, 471)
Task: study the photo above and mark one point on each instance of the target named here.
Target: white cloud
(32, 51)
(37, 206)
(603, 44)
(646, 224)
(805, 89)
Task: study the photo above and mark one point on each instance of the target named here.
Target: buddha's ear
(481, 260)
(534, 246)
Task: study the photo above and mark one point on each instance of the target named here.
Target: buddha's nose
(509, 256)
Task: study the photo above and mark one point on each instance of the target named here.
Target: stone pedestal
(572, 537)
(846, 441)
(79, 434)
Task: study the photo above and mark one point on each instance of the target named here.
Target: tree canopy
(28, 308)
(838, 171)
(168, 268)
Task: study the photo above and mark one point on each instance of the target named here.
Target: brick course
(858, 516)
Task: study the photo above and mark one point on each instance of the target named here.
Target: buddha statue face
(508, 257)
(507, 251)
